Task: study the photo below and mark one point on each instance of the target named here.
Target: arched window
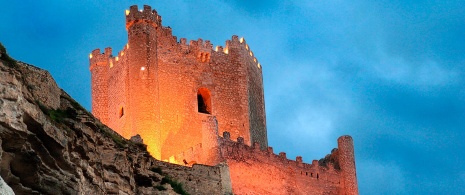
(204, 101)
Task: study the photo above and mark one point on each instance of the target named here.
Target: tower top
(146, 15)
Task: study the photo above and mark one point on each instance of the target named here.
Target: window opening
(121, 112)
(204, 101)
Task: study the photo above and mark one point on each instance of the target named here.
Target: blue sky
(388, 73)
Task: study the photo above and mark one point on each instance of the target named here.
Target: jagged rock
(137, 139)
(51, 145)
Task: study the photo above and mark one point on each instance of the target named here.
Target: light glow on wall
(117, 58)
(172, 160)
(258, 65)
(127, 12)
(241, 40)
(90, 56)
(142, 68)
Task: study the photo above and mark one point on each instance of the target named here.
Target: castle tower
(255, 98)
(249, 91)
(156, 87)
(347, 164)
(99, 75)
(143, 105)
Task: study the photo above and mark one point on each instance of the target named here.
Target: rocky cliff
(51, 145)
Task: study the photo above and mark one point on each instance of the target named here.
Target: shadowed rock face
(49, 144)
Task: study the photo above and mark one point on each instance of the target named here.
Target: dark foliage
(177, 187)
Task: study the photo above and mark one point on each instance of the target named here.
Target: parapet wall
(256, 171)
(237, 150)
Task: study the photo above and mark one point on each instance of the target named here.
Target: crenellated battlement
(251, 55)
(147, 15)
(118, 59)
(99, 59)
(238, 151)
(204, 49)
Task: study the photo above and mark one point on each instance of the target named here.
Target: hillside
(51, 145)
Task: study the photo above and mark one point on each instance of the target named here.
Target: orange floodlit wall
(151, 87)
(179, 96)
(256, 171)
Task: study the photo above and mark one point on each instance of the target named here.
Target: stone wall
(256, 171)
(155, 79)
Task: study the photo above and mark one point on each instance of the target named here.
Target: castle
(189, 101)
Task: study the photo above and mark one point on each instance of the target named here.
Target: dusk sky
(389, 73)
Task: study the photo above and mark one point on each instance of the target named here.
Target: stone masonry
(188, 100)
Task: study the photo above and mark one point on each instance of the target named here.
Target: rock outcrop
(51, 145)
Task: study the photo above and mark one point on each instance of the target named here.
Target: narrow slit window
(121, 112)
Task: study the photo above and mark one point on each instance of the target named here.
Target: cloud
(387, 178)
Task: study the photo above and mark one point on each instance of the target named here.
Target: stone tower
(143, 104)
(160, 88)
(347, 164)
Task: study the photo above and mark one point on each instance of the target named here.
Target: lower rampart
(254, 171)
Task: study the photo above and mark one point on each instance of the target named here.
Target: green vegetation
(177, 187)
(160, 188)
(330, 159)
(7, 60)
(119, 141)
(73, 103)
(57, 115)
(157, 170)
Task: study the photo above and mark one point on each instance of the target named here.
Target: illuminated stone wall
(256, 171)
(99, 75)
(150, 87)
